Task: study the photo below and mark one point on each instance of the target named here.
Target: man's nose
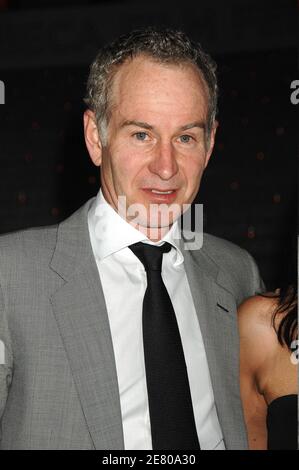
(164, 162)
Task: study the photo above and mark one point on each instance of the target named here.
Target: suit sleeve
(6, 358)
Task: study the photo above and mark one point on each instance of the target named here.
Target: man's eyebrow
(200, 124)
(144, 125)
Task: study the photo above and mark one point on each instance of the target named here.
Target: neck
(154, 234)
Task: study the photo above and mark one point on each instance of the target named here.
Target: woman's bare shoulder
(258, 310)
(257, 335)
(262, 356)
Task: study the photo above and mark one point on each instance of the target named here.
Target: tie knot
(150, 255)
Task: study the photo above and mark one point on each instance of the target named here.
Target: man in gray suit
(72, 296)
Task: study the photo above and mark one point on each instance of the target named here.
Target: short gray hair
(163, 45)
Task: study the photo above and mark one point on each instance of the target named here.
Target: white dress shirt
(123, 279)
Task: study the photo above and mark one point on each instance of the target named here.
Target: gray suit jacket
(58, 385)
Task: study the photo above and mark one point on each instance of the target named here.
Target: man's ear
(92, 137)
(211, 142)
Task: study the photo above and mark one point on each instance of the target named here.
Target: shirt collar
(111, 233)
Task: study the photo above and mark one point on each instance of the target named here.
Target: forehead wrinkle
(129, 97)
(128, 73)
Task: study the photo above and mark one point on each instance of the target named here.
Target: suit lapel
(217, 316)
(82, 319)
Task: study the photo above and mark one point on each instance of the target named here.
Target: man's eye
(185, 139)
(141, 135)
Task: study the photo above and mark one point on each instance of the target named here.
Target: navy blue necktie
(170, 405)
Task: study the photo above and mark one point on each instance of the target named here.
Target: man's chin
(160, 222)
(154, 233)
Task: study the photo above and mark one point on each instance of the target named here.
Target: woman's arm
(256, 346)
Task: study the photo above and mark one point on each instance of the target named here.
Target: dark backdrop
(249, 188)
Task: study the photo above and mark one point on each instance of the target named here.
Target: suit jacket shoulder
(23, 243)
(232, 266)
(228, 255)
(37, 245)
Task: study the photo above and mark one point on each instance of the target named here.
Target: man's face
(156, 139)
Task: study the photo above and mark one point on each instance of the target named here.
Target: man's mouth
(157, 191)
(161, 195)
